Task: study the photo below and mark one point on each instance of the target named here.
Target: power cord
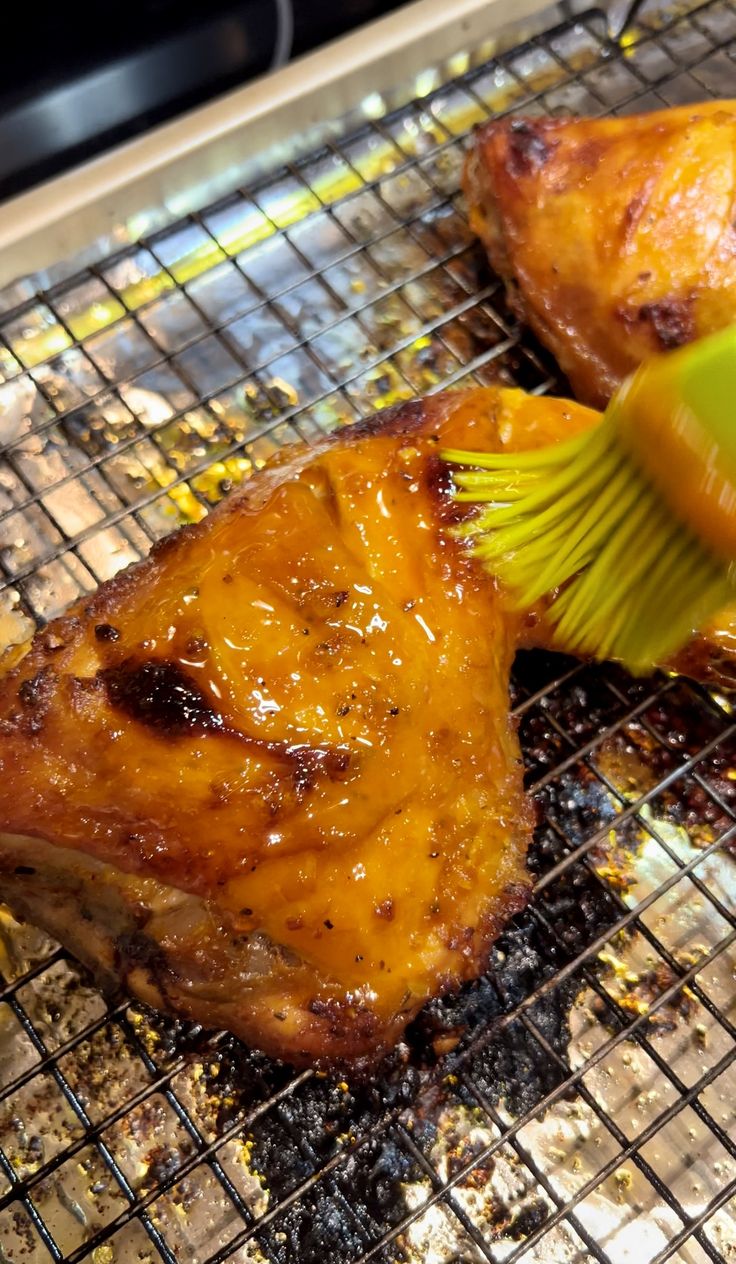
(284, 33)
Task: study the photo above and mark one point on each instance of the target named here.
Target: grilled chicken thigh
(268, 778)
(615, 236)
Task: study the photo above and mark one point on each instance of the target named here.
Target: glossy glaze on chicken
(615, 236)
(268, 778)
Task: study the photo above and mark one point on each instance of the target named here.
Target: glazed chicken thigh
(268, 778)
(615, 236)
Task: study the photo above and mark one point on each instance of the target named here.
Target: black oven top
(79, 76)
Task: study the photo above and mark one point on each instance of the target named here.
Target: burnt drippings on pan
(638, 992)
(689, 803)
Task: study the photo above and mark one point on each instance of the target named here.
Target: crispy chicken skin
(268, 778)
(615, 236)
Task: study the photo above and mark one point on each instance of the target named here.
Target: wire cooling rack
(577, 1103)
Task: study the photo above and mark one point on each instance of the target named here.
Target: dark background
(80, 76)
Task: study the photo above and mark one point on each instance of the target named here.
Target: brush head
(677, 418)
(629, 530)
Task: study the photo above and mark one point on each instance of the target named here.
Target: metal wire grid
(134, 396)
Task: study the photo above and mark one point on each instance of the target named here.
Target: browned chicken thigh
(615, 236)
(268, 778)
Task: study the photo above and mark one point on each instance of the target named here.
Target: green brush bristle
(581, 522)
